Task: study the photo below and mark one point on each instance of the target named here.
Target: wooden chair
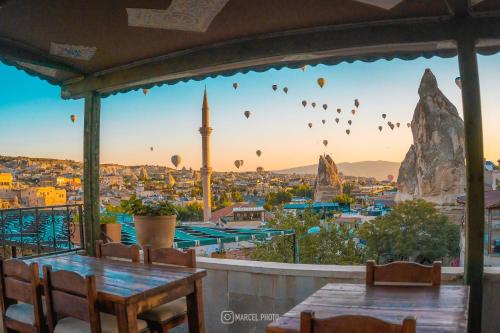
(71, 302)
(403, 273)
(172, 314)
(353, 324)
(117, 250)
(21, 297)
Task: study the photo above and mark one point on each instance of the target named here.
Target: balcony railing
(34, 231)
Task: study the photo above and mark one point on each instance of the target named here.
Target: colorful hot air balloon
(325, 106)
(408, 125)
(258, 152)
(73, 118)
(323, 121)
(145, 91)
(390, 178)
(310, 125)
(321, 82)
(348, 131)
(176, 160)
(353, 111)
(275, 86)
(237, 163)
(458, 82)
(325, 143)
(380, 128)
(260, 169)
(313, 104)
(285, 90)
(356, 103)
(236, 85)
(384, 115)
(339, 110)
(304, 103)
(337, 120)
(397, 125)
(247, 114)
(349, 122)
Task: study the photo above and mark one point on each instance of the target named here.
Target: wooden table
(437, 309)
(126, 288)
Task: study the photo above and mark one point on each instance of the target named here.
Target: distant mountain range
(376, 169)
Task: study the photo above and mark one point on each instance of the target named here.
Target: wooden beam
(474, 224)
(335, 43)
(91, 170)
(459, 8)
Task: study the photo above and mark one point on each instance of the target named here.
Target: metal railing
(35, 231)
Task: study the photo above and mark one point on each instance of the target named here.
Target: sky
(35, 121)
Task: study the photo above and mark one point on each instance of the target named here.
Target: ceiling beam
(459, 8)
(382, 40)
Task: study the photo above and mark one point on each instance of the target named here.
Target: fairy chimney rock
(328, 184)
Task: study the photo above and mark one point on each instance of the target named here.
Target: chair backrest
(353, 324)
(68, 294)
(117, 250)
(20, 282)
(401, 272)
(170, 256)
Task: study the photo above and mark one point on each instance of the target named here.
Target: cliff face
(328, 183)
(434, 167)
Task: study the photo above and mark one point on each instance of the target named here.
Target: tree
(237, 197)
(344, 199)
(191, 212)
(303, 190)
(347, 188)
(413, 231)
(277, 199)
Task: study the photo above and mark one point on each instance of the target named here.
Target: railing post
(91, 169)
(474, 225)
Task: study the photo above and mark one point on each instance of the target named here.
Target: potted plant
(111, 229)
(154, 223)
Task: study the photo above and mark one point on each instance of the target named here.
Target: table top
(123, 281)
(437, 309)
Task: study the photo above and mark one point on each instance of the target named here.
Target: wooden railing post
(474, 223)
(91, 170)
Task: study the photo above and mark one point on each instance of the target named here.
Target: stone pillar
(206, 170)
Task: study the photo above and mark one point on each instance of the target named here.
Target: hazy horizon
(35, 120)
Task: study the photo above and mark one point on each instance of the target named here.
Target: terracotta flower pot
(113, 230)
(155, 231)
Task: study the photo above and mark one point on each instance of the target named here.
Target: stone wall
(260, 287)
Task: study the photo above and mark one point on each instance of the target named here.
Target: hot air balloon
(275, 86)
(398, 124)
(241, 162)
(237, 163)
(325, 143)
(408, 125)
(384, 115)
(323, 121)
(349, 122)
(260, 169)
(389, 123)
(303, 67)
(337, 120)
(313, 104)
(236, 85)
(390, 178)
(73, 118)
(258, 152)
(151, 148)
(310, 125)
(304, 103)
(458, 82)
(348, 131)
(145, 91)
(380, 128)
(391, 126)
(247, 114)
(176, 160)
(353, 112)
(339, 110)
(325, 106)
(285, 90)
(356, 103)
(321, 82)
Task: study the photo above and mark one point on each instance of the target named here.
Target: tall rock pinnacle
(328, 183)
(434, 166)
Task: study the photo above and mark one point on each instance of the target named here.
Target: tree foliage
(191, 212)
(414, 231)
(344, 199)
(277, 199)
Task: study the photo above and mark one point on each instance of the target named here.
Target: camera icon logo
(227, 317)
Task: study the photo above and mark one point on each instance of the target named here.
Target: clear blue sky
(34, 120)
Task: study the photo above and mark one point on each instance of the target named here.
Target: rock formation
(434, 167)
(328, 183)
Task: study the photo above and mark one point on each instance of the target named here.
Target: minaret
(206, 170)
